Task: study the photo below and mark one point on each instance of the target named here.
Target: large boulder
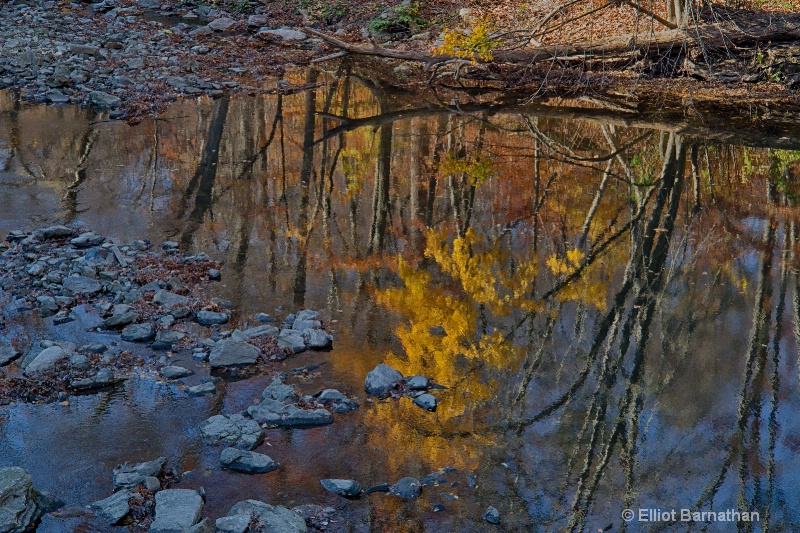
(233, 353)
(18, 509)
(381, 380)
(177, 510)
(273, 518)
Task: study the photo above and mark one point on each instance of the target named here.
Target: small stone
(233, 353)
(119, 320)
(81, 285)
(417, 383)
(202, 389)
(281, 34)
(492, 516)
(114, 508)
(8, 354)
(426, 401)
(170, 300)
(176, 510)
(214, 274)
(347, 488)
(246, 461)
(257, 20)
(271, 518)
(232, 430)
(264, 318)
(407, 488)
(221, 24)
(382, 380)
(102, 100)
(175, 372)
(138, 333)
(211, 318)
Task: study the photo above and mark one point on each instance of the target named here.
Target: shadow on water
(611, 302)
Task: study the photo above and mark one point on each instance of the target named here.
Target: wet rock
(202, 389)
(383, 487)
(88, 239)
(103, 378)
(175, 372)
(234, 524)
(292, 340)
(166, 338)
(278, 414)
(18, 508)
(347, 488)
(417, 383)
(233, 353)
(316, 339)
(102, 100)
(54, 232)
(260, 331)
(280, 392)
(407, 488)
(114, 508)
(176, 510)
(273, 519)
(264, 318)
(138, 333)
(8, 354)
(232, 430)
(214, 274)
(382, 380)
(492, 516)
(128, 476)
(246, 461)
(120, 319)
(169, 300)
(338, 402)
(81, 285)
(46, 359)
(212, 318)
(426, 401)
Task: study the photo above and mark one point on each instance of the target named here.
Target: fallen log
(740, 29)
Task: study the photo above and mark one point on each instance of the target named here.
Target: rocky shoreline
(144, 309)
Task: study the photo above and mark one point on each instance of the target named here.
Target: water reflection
(614, 308)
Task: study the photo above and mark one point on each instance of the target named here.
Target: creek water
(614, 310)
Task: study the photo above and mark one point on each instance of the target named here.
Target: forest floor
(133, 57)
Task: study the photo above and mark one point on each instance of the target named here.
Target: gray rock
(57, 97)
(257, 20)
(306, 324)
(46, 359)
(202, 389)
(221, 24)
(128, 476)
(264, 317)
(260, 331)
(417, 383)
(175, 372)
(212, 318)
(103, 378)
(307, 314)
(88, 239)
(292, 340)
(18, 509)
(169, 300)
(8, 354)
(408, 488)
(114, 508)
(381, 380)
(149, 4)
(232, 430)
(81, 285)
(278, 414)
(214, 274)
(138, 332)
(347, 488)
(121, 319)
(79, 361)
(233, 353)
(54, 232)
(280, 392)
(166, 338)
(338, 402)
(282, 34)
(234, 524)
(246, 461)
(316, 339)
(492, 516)
(102, 100)
(204, 526)
(176, 510)
(273, 519)
(426, 401)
